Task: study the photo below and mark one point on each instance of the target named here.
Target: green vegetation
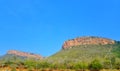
(92, 57)
(95, 65)
(84, 57)
(83, 53)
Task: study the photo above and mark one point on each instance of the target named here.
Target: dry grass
(9, 69)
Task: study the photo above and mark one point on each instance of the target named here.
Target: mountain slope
(88, 52)
(12, 55)
(84, 53)
(24, 54)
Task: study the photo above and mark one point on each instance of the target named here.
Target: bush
(95, 65)
(43, 64)
(117, 64)
(30, 64)
(80, 65)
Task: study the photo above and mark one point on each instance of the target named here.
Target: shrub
(30, 64)
(80, 65)
(117, 64)
(95, 65)
(43, 64)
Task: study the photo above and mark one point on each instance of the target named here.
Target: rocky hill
(87, 41)
(24, 54)
(87, 49)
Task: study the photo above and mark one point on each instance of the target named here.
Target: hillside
(105, 50)
(12, 55)
(79, 54)
(24, 54)
(87, 52)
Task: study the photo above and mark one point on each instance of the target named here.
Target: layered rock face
(24, 54)
(87, 41)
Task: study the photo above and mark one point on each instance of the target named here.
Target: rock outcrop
(24, 54)
(87, 41)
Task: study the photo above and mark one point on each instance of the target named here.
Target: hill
(87, 49)
(87, 52)
(79, 53)
(24, 54)
(12, 55)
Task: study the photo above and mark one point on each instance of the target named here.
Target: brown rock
(24, 54)
(87, 41)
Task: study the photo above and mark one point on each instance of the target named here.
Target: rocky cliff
(24, 54)
(87, 41)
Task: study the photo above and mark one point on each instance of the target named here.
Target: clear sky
(41, 26)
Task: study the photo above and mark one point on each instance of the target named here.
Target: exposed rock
(24, 54)
(87, 41)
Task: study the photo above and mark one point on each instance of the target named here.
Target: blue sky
(41, 26)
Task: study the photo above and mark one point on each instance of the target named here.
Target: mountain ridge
(24, 54)
(87, 40)
(74, 56)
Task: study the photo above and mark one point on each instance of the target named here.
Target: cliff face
(87, 41)
(24, 54)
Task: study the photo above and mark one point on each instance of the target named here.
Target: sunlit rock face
(89, 40)
(24, 54)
